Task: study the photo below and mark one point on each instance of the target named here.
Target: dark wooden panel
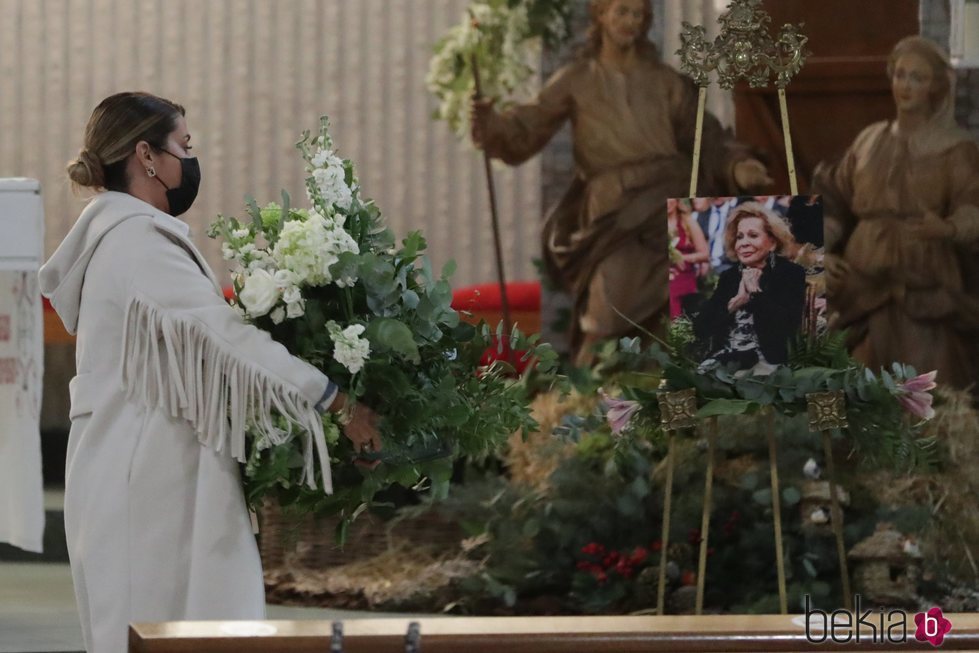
(848, 28)
(842, 89)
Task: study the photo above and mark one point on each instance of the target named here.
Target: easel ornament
(743, 50)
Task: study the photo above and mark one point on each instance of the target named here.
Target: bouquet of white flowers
(329, 283)
(505, 38)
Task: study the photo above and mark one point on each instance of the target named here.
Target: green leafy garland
(880, 428)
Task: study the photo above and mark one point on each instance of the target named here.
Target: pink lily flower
(915, 396)
(921, 383)
(619, 412)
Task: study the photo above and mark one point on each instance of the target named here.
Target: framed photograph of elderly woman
(747, 274)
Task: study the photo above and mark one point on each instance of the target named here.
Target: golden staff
(677, 411)
(494, 213)
(827, 410)
(783, 598)
(705, 516)
(697, 59)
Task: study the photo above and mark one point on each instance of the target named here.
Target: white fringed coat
(168, 376)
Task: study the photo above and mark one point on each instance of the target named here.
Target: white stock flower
(278, 315)
(308, 248)
(332, 185)
(324, 158)
(240, 234)
(259, 293)
(349, 349)
(227, 252)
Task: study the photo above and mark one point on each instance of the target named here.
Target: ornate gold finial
(696, 54)
(788, 53)
(678, 410)
(827, 410)
(740, 46)
(744, 49)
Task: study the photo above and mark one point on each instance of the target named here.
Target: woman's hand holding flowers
(360, 424)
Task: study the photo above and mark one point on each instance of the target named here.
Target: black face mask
(182, 197)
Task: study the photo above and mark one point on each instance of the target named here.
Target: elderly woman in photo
(902, 227)
(758, 304)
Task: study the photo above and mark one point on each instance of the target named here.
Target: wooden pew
(680, 634)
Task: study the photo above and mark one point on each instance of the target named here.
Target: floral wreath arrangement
(330, 284)
(503, 37)
(879, 406)
(589, 531)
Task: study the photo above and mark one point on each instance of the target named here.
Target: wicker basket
(310, 542)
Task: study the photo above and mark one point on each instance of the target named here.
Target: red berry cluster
(731, 524)
(603, 562)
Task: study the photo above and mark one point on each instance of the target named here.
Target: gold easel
(743, 50)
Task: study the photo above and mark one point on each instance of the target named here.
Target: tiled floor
(37, 609)
(37, 604)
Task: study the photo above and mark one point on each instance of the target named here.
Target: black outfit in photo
(777, 309)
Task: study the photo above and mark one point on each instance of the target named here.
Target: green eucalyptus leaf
(762, 496)
(413, 245)
(809, 567)
(791, 496)
(254, 212)
(388, 334)
(717, 407)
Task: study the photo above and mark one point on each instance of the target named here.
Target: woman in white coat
(168, 378)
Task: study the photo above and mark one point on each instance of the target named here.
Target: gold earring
(151, 172)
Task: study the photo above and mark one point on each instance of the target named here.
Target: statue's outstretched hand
(751, 174)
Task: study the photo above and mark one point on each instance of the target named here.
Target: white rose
(295, 309)
(291, 295)
(259, 293)
(284, 279)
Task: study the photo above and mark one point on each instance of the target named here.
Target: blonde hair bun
(87, 170)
